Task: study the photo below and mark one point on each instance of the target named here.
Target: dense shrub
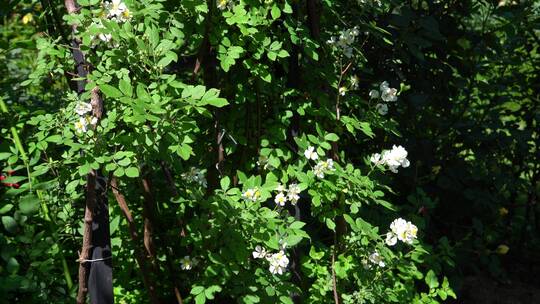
(267, 151)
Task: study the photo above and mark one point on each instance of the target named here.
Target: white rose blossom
(395, 158)
(252, 194)
(280, 199)
(310, 153)
(391, 239)
(322, 167)
(82, 108)
(186, 263)
(222, 4)
(117, 10)
(293, 193)
(402, 230)
(81, 126)
(278, 262)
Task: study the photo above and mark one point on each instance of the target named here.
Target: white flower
(293, 193)
(318, 170)
(391, 239)
(395, 158)
(105, 37)
(186, 263)
(322, 167)
(280, 188)
(278, 262)
(310, 153)
(117, 10)
(342, 91)
(259, 252)
(382, 108)
(280, 199)
(252, 194)
(403, 230)
(82, 108)
(222, 4)
(374, 94)
(345, 40)
(376, 159)
(92, 121)
(81, 126)
(389, 94)
(411, 233)
(376, 259)
(384, 85)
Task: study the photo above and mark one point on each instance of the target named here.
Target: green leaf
(132, 172)
(196, 290)
(54, 139)
(14, 179)
(9, 223)
(225, 182)
(331, 137)
(431, 279)
(125, 87)
(297, 225)
(6, 208)
(200, 298)
(275, 12)
(29, 204)
(286, 300)
(110, 91)
(185, 151)
(119, 172)
(330, 224)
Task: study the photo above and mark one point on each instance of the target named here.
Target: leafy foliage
(243, 137)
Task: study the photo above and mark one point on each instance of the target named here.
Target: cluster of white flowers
(252, 194)
(345, 40)
(392, 158)
(85, 120)
(290, 194)
(278, 261)
(187, 263)
(402, 230)
(117, 10)
(322, 167)
(195, 175)
(387, 94)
